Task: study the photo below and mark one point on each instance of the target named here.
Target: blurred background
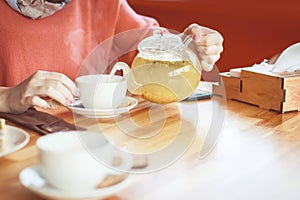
(253, 30)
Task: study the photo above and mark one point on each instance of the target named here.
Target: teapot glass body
(165, 77)
(165, 70)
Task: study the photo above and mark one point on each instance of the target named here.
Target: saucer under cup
(66, 161)
(32, 179)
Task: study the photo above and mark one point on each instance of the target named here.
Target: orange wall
(253, 29)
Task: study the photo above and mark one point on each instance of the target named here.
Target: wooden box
(258, 86)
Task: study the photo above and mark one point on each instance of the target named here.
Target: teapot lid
(160, 41)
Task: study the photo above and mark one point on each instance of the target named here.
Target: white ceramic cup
(68, 164)
(101, 91)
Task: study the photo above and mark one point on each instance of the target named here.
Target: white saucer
(16, 138)
(127, 104)
(31, 179)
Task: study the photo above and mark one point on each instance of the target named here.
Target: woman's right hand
(34, 90)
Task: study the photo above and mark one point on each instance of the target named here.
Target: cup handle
(132, 85)
(120, 66)
(124, 161)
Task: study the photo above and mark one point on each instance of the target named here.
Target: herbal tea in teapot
(165, 78)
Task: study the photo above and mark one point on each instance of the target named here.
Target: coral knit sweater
(63, 41)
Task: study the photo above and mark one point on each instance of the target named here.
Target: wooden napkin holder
(258, 86)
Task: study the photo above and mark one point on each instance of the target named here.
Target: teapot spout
(132, 86)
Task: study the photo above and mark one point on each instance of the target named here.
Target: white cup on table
(68, 164)
(101, 91)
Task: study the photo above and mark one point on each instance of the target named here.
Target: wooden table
(257, 155)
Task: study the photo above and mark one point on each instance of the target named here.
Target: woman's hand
(208, 44)
(34, 90)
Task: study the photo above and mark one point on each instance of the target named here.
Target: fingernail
(68, 102)
(48, 106)
(207, 66)
(76, 92)
(197, 38)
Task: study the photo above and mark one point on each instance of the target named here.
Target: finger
(197, 32)
(68, 83)
(197, 29)
(211, 59)
(38, 101)
(206, 66)
(210, 39)
(55, 90)
(209, 50)
(57, 96)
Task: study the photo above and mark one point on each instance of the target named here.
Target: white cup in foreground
(67, 164)
(101, 91)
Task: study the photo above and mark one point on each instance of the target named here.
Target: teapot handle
(133, 86)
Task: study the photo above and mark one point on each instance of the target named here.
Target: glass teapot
(165, 69)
